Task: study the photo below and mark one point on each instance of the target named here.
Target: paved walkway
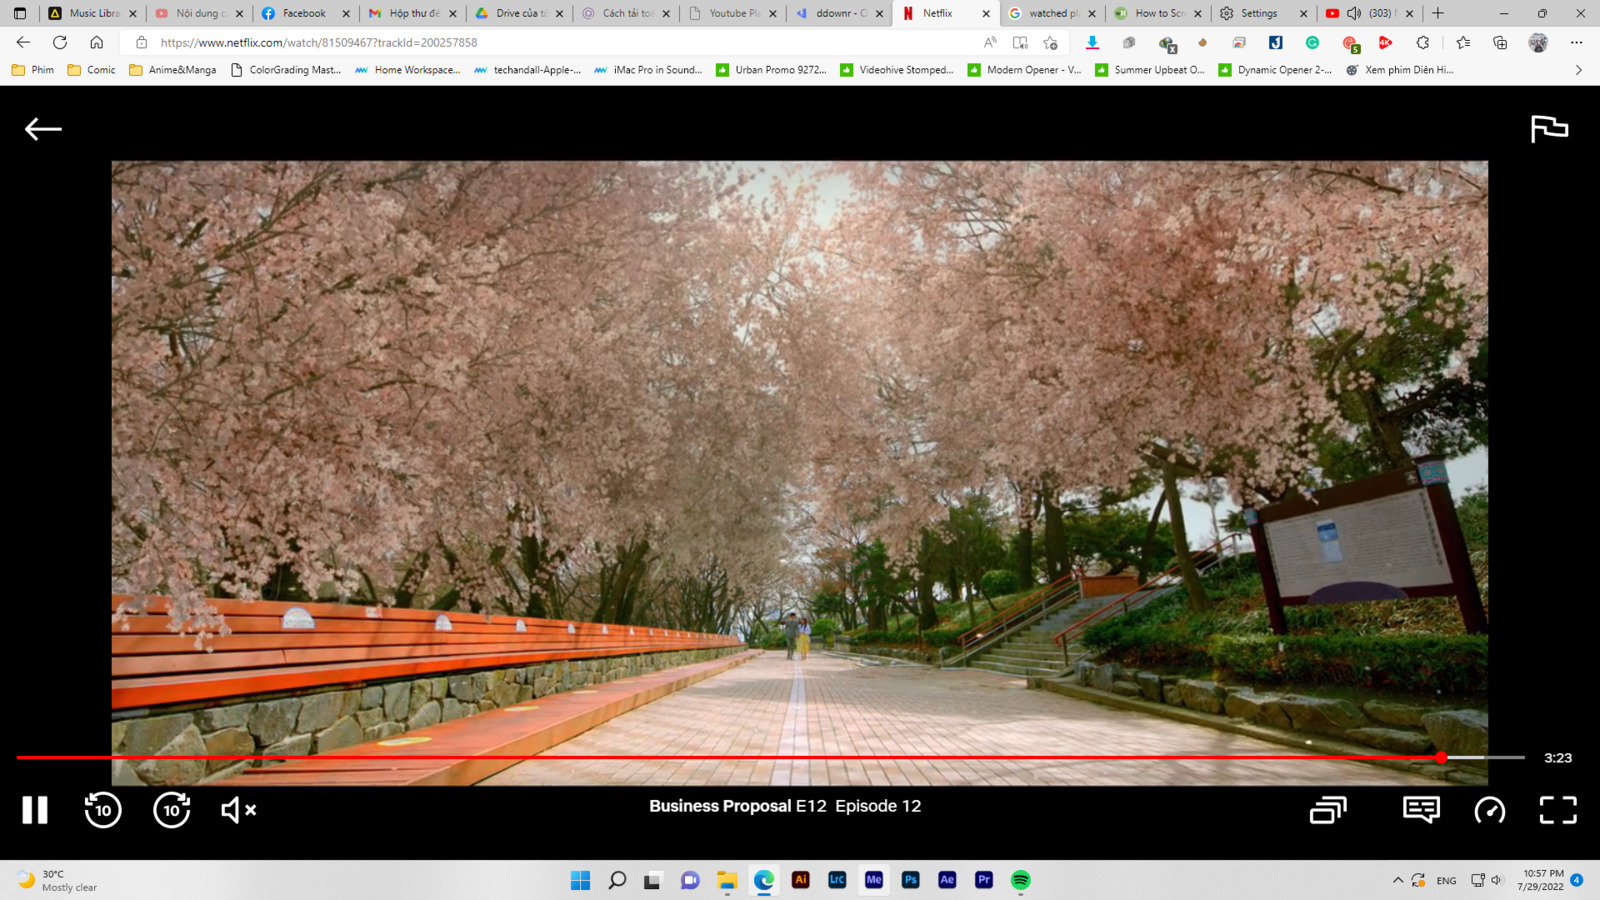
(835, 706)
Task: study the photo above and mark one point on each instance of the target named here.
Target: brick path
(830, 705)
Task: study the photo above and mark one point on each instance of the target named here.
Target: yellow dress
(803, 642)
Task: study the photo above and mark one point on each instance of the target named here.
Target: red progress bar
(1436, 757)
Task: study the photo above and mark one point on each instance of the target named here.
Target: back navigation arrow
(35, 126)
(23, 40)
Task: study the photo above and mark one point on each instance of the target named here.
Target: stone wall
(1398, 728)
(327, 719)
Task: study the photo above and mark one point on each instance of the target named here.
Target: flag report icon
(1549, 127)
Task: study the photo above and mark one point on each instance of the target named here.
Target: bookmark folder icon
(18, 69)
(74, 69)
(135, 69)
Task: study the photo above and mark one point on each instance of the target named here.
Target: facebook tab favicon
(1275, 42)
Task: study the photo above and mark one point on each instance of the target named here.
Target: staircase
(1167, 582)
(1032, 651)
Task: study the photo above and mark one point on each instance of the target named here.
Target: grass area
(1415, 647)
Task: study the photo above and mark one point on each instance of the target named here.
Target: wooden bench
(466, 751)
(346, 645)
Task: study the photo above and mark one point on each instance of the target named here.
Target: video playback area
(709, 474)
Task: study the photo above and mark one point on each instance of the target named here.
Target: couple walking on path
(797, 634)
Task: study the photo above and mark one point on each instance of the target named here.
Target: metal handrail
(1020, 608)
(1214, 550)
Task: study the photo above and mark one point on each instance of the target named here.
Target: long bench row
(274, 646)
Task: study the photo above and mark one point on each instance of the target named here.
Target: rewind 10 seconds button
(1490, 809)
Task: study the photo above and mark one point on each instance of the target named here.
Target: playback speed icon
(1328, 810)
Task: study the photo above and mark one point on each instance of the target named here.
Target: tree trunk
(954, 584)
(929, 617)
(629, 580)
(1150, 538)
(1055, 539)
(1385, 431)
(532, 560)
(1198, 601)
(1025, 556)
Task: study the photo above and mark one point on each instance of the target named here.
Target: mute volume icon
(1328, 810)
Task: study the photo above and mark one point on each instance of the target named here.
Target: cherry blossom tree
(339, 368)
(1071, 325)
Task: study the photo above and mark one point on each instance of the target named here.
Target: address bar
(735, 42)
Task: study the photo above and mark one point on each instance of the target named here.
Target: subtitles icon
(1328, 810)
(1424, 808)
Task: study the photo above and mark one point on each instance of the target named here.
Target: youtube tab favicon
(1331, 13)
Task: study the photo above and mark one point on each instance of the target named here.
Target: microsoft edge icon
(267, 13)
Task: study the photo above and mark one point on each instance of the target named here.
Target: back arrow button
(23, 40)
(35, 126)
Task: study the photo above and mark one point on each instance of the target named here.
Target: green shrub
(930, 638)
(1156, 646)
(1235, 578)
(1158, 611)
(822, 629)
(998, 582)
(1416, 663)
(1472, 510)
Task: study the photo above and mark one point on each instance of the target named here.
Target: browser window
(778, 473)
